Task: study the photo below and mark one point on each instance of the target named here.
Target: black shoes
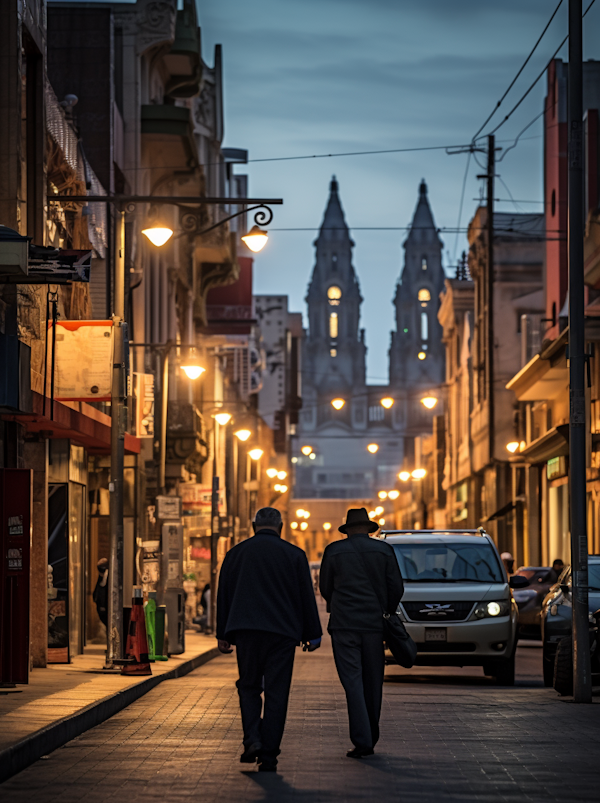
(251, 753)
(267, 766)
(360, 752)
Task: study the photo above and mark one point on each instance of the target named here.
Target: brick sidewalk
(451, 737)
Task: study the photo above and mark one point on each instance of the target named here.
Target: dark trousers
(360, 663)
(265, 662)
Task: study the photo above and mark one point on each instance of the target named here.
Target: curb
(20, 755)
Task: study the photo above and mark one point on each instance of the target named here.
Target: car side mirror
(518, 581)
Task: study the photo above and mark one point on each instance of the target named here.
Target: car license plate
(435, 634)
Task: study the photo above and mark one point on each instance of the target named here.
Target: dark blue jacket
(265, 584)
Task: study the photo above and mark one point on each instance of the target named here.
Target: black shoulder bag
(399, 643)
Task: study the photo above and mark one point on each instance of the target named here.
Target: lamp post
(263, 216)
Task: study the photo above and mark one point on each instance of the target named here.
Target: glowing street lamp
(304, 525)
(512, 447)
(387, 402)
(312, 456)
(191, 367)
(256, 239)
(327, 525)
(283, 489)
(338, 403)
(381, 522)
(306, 450)
(300, 513)
(418, 473)
(158, 235)
(277, 487)
(222, 418)
(294, 525)
(382, 494)
(378, 510)
(429, 402)
(421, 355)
(255, 454)
(404, 476)
(393, 494)
(243, 434)
(372, 514)
(281, 475)
(373, 448)
(271, 472)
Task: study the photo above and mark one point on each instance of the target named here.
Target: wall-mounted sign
(143, 392)
(83, 360)
(168, 508)
(197, 499)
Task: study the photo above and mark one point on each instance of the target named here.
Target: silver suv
(457, 602)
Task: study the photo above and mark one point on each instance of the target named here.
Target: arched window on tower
(334, 295)
(424, 327)
(423, 263)
(333, 325)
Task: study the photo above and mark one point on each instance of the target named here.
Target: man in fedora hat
(350, 570)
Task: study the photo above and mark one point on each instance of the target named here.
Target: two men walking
(266, 606)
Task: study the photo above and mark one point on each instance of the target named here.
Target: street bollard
(155, 629)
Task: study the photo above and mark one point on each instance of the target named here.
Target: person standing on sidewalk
(266, 606)
(356, 621)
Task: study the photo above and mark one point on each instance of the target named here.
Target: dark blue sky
(322, 76)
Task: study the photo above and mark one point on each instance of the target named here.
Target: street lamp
(327, 526)
(294, 525)
(418, 473)
(300, 513)
(372, 514)
(378, 510)
(256, 239)
(243, 434)
(312, 456)
(393, 494)
(281, 475)
(387, 402)
(373, 448)
(271, 473)
(421, 355)
(304, 525)
(255, 454)
(306, 450)
(381, 522)
(222, 418)
(338, 403)
(283, 489)
(158, 235)
(404, 476)
(429, 402)
(512, 446)
(382, 494)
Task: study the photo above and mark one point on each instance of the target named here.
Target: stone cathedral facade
(334, 363)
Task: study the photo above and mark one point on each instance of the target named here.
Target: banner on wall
(82, 361)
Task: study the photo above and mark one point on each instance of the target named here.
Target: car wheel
(503, 669)
(563, 667)
(547, 668)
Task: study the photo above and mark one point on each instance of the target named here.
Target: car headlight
(491, 610)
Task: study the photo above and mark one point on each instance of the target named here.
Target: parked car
(540, 580)
(457, 603)
(556, 613)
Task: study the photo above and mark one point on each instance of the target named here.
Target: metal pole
(164, 406)
(582, 687)
(214, 540)
(490, 289)
(117, 452)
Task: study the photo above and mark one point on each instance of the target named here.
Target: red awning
(77, 421)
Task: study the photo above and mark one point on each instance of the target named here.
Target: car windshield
(448, 563)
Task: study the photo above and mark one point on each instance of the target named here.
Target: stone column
(35, 455)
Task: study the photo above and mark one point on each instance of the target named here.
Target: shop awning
(554, 443)
(77, 421)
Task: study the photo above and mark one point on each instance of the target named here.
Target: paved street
(446, 735)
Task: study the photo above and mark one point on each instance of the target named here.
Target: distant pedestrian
(509, 563)
(558, 568)
(100, 595)
(266, 606)
(204, 619)
(351, 570)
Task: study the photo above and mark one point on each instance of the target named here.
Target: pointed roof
(333, 219)
(423, 217)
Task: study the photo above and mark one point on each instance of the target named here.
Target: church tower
(417, 352)
(334, 354)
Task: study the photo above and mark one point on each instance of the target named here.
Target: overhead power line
(514, 80)
(531, 87)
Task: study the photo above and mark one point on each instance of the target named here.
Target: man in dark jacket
(266, 606)
(351, 570)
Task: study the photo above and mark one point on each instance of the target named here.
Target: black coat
(265, 584)
(345, 586)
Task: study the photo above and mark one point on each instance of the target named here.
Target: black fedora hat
(358, 515)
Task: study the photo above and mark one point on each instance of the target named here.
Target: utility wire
(516, 106)
(514, 80)
(460, 206)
